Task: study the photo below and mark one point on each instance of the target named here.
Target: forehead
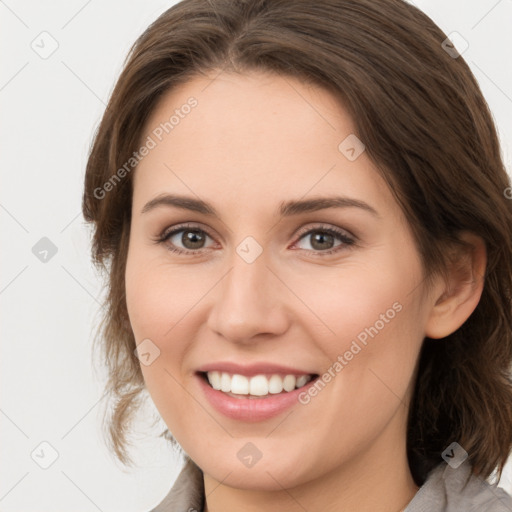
(257, 135)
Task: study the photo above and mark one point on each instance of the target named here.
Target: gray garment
(448, 490)
(445, 490)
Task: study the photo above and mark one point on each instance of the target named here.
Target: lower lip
(251, 409)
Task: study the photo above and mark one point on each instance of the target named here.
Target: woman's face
(270, 282)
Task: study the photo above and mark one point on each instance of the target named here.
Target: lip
(251, 409)
(250, 370)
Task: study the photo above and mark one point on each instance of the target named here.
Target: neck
(378, 479)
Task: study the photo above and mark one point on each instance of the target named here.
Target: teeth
(289, 383)
(259, 385)
(239, 385)
(302, 380)
(225, 383)
(275, 384)
(215, 380)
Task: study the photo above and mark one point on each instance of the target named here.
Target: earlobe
(460, 292)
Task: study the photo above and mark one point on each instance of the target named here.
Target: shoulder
(187, 492)
(450, 489)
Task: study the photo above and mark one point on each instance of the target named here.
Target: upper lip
(252, 369)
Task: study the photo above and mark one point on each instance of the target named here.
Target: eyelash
(345, 239)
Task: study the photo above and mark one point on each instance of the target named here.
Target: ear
(457, 295)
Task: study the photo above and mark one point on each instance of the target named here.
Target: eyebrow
(286, 208)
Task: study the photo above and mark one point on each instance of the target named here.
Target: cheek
(158, 301)
(358, 302)
(369, 326)
(165, 305)
(159, 297)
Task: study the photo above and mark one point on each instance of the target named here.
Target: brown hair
(427, 128)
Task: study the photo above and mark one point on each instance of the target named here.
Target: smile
(252, 393)
(256, 386)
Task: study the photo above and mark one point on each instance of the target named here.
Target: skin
(253, 141)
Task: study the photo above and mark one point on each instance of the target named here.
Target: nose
(249, 303)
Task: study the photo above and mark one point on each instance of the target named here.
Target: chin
(272, 473)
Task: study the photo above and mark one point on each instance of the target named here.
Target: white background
(50, 109)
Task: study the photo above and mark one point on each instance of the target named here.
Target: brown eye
(184, 239)
(323, 240)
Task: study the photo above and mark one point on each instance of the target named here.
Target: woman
(369, 374)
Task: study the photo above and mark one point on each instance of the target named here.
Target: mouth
(259, 386)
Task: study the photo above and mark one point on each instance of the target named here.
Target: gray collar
(445, 490)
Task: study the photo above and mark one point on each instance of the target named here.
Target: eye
(192, 239)
(323, 238)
